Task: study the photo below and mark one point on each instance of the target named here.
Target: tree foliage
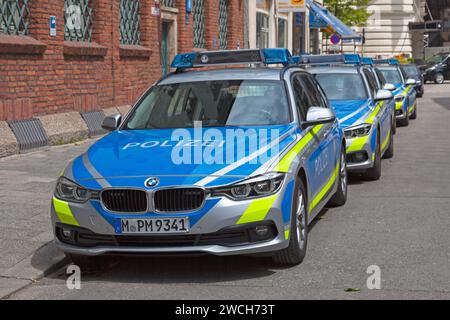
(351, 12)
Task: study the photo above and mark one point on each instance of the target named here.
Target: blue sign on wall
(52, 26)
(315, 22)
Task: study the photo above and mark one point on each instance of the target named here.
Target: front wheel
(298, 232)
(340, 197)
(374, 173)
(439, 78)
(413, 115)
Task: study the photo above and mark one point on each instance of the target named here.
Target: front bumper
(216, 215)
(360, 152)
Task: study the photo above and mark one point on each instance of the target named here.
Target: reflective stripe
(93, 172)
(257, 210)
(412, 107)
(374, 113)
(286, 161)
(398, 105)
(286, 234)
(357, 144)
(63, 212)
(325, 189)
(386, 140)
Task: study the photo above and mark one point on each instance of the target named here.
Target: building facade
(387, 32)
(79, 55)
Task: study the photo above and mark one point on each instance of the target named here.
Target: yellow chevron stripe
(285, 162)
(63, 212)
(386, 140)
(257, 210)
(325, 189)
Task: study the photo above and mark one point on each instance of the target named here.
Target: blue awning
(322, 13)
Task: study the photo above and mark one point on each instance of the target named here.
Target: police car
(363, 109)
(404, 92)
(221, 161)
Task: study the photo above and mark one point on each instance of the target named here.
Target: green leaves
(351, 12)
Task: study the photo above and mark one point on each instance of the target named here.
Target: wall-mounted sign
(52, 26)
(156, 11)
(291, 5)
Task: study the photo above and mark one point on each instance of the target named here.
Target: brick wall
(41, 74)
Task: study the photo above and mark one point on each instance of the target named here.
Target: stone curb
(61, 128)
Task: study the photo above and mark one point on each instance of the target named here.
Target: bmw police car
(404, 92)
(364, 111)
(224, 161)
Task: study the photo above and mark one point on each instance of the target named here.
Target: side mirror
(383, 95)
(318, 115)
(410, 82)
(389, 87)
(111, 123)
(418, 83)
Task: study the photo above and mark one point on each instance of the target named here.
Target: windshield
(214, 103)
(342, 86)
(438, 58)
(391, 75)
(411, 70)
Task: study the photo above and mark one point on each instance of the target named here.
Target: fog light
(398, 112)
(261, 230)
(66, 234)
(359, 157)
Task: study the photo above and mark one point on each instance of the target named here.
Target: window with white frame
(282, 32)
(262, 23)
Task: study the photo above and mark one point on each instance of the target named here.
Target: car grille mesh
(125, 200)
(178, 199)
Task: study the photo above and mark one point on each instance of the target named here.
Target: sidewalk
(26, 185)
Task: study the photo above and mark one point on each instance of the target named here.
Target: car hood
(350, 112)
(128, 158)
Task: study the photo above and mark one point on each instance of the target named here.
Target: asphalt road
(400, 223)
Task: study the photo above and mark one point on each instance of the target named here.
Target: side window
(371, 81)
(301, 100)
(380, 77)
(311, 91)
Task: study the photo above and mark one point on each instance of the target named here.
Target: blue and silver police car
(363, 109)
(221, 161)
(404, 92)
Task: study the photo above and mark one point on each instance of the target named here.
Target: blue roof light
(227, 57)
(330, 59)
(184, 60)
(367, 61)
(391, 61)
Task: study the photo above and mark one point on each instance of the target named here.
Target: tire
(374, 173)
(404, 122)
(296, 251)
(413, 115)
(439, 78)
(389, 153)
(340, 197)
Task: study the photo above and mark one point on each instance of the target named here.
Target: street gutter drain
(29, 134)
(94, 121)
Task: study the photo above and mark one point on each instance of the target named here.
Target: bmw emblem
(151, 182)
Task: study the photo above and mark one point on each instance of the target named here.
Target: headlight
(358, 131)
(260, 186)
(399, 98)
(70, 191)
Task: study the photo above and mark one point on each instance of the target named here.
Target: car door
(384, 113)
(322, 160)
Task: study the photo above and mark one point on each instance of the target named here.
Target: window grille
(77, 20)
(198, 12)
(223, 23)
(130, 21)
(14, 17)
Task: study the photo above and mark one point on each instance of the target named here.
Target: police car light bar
(227, 57)
(367, 61)
(330, 59)
(391, 61)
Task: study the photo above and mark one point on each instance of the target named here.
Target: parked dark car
(411, 71)
(437, 68)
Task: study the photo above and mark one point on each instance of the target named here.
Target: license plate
(154, 225)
